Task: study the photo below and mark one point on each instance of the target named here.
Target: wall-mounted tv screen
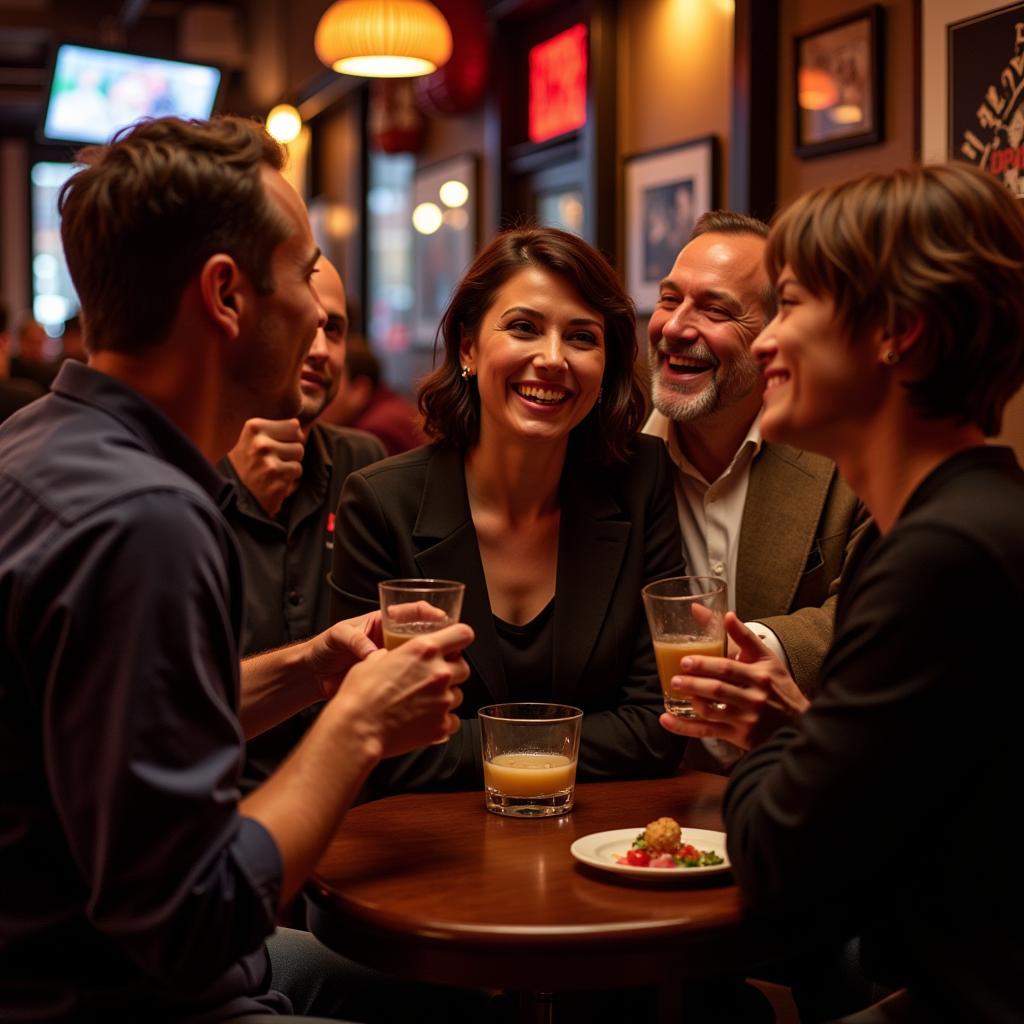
(94, 93)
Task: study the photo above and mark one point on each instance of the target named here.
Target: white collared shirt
(710, 518)
(711, 514)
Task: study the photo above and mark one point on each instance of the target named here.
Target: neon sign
(558, 84)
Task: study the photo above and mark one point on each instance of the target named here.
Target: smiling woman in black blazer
(539, 495)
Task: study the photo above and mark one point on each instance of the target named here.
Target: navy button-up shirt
(130, 887)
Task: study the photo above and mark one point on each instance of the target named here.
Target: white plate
(599, 850)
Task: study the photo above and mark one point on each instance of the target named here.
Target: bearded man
(774, 522)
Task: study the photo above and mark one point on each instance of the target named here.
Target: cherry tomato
(638, 858)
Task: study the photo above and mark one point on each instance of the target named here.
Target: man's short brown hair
(728, 222)
(941, 244)
(151, 207)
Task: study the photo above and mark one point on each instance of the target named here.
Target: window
(53, 296)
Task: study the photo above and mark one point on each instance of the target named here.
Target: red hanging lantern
(459, 86)
(394, 122)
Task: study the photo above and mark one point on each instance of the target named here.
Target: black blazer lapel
(591, 545)
(448, 549)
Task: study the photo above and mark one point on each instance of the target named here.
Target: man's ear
(224, 290)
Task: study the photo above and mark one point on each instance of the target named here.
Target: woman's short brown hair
(943, 244)
(151, 207)
(451, 405)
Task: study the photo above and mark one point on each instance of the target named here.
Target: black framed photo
(838, 84)
(666, 191)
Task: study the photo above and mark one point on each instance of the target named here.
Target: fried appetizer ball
(662, 836)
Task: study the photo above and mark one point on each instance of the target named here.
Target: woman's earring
(466, 373)
(892, 357)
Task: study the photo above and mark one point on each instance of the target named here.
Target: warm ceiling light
(284, 123)
(816, 89)
(383, 38)
(454, 193)
(427, 218)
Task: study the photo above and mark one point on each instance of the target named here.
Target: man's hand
(404, 699)
(334, 651)
(268, 459)
(742, 700)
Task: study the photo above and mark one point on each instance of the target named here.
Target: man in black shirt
(288, 476)
(137, 886)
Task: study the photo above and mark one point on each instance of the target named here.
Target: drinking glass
(411, 608)
(686, 615)
(530, 753)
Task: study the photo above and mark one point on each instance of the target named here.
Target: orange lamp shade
(383, 38)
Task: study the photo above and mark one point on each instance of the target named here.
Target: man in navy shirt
(136, 883)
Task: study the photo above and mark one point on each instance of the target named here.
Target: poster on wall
(986, 105)
(972, 82)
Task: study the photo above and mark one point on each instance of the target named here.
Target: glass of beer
(687, 616)
(411, 608)
(530, 753)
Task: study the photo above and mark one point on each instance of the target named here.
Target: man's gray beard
(683, 408)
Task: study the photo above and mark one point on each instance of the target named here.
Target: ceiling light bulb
(453, 193)
(284, 123)
(426, 218)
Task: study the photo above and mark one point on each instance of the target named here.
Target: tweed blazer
(409, 516)
(800, 525)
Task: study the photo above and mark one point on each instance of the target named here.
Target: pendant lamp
(383, 38)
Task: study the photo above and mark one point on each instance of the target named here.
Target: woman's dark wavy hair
(451, 405)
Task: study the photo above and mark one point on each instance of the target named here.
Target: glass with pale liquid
(411, 608)
(530, 753)
(687, 616)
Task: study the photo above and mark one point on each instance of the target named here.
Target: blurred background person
(31, 361)
(540, 496)
(365, 402)
(14, 391)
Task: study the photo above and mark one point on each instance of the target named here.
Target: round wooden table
(432, 887)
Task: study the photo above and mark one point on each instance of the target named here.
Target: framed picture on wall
(972, 81)
(666, 191)
(444, 219)
(838, 84)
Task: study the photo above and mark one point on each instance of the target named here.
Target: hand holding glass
(686, 615)
(530, 753)
(412, 607)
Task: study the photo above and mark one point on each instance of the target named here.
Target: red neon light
(558, 84)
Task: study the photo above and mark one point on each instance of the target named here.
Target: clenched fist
(268, 459)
